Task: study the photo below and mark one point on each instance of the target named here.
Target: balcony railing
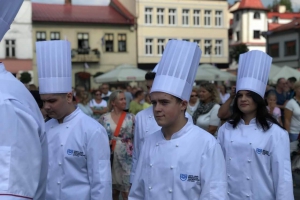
(85, 55)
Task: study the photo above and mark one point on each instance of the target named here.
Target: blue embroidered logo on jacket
(183, 177)
(75, 153)
(263, 152)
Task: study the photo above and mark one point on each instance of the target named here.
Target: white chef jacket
(23, 142)
(258, 163)
(190, 166)
(145, 125)
(79, 159)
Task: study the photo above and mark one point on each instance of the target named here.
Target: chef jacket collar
(182, 131)
(72, 115)
(252, 121)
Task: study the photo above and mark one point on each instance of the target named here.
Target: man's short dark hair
(292, 79)
(149, 76)
(278, 80)
(138, 93)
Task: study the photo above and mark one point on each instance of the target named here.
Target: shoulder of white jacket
(277, 131)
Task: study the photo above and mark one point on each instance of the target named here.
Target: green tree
(25, 77)
(288, 4)
(235, 51)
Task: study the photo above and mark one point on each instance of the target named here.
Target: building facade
(101, 37)
(16, 45)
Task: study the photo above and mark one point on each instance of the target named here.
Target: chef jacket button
(171, 167)
(249, 161)
(59, 163)
(248, 178)
(146, 131)
(230, 158)
(61, 145)
(170, 191)
(177, 145)
(51, 126)
(247, 195)
(250, 143)
(150, 116)
(231, 141)
(228, 175)
(156, 144)
(67, 127)
(150, 187)
(228, 193)
(58, 183)
(151, 165)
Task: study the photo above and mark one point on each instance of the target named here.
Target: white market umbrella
(285, 72)
(274, 70)
(218, 74)
(122, 73)
(203, 75)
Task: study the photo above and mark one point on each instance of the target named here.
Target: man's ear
(184, 105)
(69, 97)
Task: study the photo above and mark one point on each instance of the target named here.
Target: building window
(275, 19)
(109, 42)
(207, 17)
(148, 15)
(196, 17)
(207, 47)
(54, 36)
(148, 46)
(218, 47)
(237, 17)
(83, 43)
(40, 36)
(256, 34)
(186, 40)
(237, 36)
(122, 42)
(274, 50)
(256, 15)
(290, 48)
(172, 16)
(198, 42)
(160, 15)
(185, 17)
(160, 46)
(10, 48)
(218, 18)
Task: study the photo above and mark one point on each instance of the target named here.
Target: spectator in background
(83, 103)
(206, 114)
(105, 91)
(78, 90)
(128, 97)
(193, 102)
(281, 95)
(147, 102)
(135, 104)
(272, 108)
(223, 93)
(98, 105)
(32, 87)
(292, 114)
(290, 83)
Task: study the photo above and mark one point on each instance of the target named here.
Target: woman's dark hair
(263, 118)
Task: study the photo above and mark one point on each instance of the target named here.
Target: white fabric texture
(102, 104)
(295, 121)
(210, 118)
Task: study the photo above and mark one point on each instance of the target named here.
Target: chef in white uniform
(256, 148)
(79, 155)
(23, 142)
(180, 161)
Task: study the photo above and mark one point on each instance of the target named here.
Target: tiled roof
(272, 26)
(287, 15)
(76, 14)
(295, 24)
(251, 4)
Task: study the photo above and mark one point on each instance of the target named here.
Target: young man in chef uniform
(23, 142)
(79, 155)
(180, 161)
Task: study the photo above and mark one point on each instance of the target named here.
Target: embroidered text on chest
(262, 152)
(75, 153)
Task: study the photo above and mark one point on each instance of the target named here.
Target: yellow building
(201, 21)
(101, 37)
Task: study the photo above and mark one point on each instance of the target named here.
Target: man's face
(56, 105)
(166, 108)
(282, 84)
(290, 85)
(104, 89)
(149, 84)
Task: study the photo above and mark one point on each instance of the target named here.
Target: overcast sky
(296, 3)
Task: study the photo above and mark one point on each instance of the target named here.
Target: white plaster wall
(250, 24)
(260, 48)
(280, 21)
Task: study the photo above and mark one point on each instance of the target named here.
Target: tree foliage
(237, 50)
(25, 77)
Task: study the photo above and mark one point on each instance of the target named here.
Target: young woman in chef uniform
(256, 148)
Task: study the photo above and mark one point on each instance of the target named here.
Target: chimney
(68, 1)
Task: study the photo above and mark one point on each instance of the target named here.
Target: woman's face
(271, 101)
(204, 95)
(194, 97)
(222, 89)
(98, 95)
(245, 102)
(120, 102)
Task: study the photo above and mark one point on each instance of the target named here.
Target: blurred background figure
(147, 101)
(271, 105)
(128, 96)
(292, 114)
(136, 105)
(105, 91)
(193, 102)
(37, 97)
(32, 87)
(78, 90)
(83, 103)
(290, 83)
(123, 139)
(98, 105)
(206, 114)
(223, 93)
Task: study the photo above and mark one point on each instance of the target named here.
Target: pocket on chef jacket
(5, 156)
(104, 170)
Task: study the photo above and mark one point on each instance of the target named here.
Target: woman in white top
(206, 114)
(292, 114)
(98, 105)
(193, 102)
(223, 93)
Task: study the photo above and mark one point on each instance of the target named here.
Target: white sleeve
(104, 103)
(281, 167)
(290, 105)
(136, 146)
(213, 174)
(98, 165)
(214, 119)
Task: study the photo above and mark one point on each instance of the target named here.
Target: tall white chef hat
(8, 11)
(177, 69)
(253, 72)
(155, 68)
(54, 66)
